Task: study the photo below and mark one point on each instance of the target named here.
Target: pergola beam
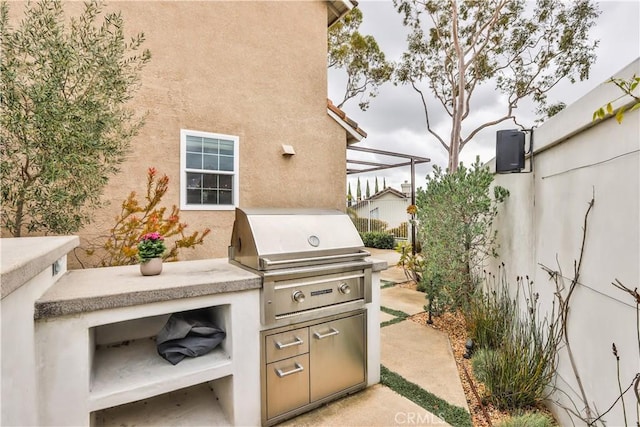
(413, 161)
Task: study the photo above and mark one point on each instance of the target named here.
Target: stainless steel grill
(316, 283)
(311, 261)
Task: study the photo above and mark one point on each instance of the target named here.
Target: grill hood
(266, 239)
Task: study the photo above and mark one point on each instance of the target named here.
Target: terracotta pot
(151, 267)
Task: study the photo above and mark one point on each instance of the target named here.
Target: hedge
(378, 240)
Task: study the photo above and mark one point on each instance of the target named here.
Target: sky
(395, 119)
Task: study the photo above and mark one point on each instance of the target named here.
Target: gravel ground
(453, 325)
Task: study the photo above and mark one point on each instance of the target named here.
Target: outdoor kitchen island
(97, 358)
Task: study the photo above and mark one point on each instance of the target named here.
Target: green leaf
(609, 108)
(620, 115)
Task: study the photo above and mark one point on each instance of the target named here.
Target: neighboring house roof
(337, 9)
(354, 133)
(379, 194)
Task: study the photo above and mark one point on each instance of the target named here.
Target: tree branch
(426, 116)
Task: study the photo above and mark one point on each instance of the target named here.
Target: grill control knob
(298, 296)
(344, 288)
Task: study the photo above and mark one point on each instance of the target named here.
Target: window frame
(184, 170)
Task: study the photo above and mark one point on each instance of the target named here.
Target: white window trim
(183, 171)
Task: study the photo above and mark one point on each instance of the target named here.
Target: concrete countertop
(82, 291)
(377, 264)
(23, 258)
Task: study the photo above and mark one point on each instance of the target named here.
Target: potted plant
(151, 247)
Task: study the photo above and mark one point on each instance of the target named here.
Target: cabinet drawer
(286, 344)
(287, 385)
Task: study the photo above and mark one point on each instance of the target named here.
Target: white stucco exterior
(78, 347)
(27, 272)
(541, 223)
(388, 205)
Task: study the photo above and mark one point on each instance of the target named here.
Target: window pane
(210, 197)
(210, 145)
(204, 157)
(226, 182)
(193, 197)
(226, 163)
(210, 180)
(226, 147)
(194, 144)
(194, 161)
(210, 162)
(225, 197)
(194, 180)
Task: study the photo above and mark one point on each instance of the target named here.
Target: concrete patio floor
(420, 354)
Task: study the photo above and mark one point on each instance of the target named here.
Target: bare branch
(426, 116)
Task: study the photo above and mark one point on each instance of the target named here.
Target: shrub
(411, 264)
(528, 419)
(522, 365)
(378, 240)
(491, 316)
(480, 360)
(120, 246)
(455, 212)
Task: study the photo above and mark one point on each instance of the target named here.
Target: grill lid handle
(266, 262)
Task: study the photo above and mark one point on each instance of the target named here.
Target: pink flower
(152, 236)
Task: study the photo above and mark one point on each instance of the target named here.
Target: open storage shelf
(126, 366)
(135, 371)
(193, 406)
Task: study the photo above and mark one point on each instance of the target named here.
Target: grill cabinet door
(337, 356)
(287, 385)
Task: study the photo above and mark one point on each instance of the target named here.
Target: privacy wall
(541, 224)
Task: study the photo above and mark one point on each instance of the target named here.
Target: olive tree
(64, 121)
(524, 50)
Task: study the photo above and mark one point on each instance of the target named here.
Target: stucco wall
(255, 69)
(542, 223)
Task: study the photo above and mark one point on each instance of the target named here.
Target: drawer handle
(330, 334)
(280, 346)
(298, 368)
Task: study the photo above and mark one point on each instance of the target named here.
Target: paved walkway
(418, 353)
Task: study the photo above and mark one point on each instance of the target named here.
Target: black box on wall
(509, 151)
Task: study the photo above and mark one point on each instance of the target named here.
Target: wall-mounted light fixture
(287, 150)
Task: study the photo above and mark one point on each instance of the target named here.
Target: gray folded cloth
(188, 334)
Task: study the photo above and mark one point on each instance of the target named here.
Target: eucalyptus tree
(520, 48)
(64, 124)
(360, 56)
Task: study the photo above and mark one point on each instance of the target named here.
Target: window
(208, 170)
